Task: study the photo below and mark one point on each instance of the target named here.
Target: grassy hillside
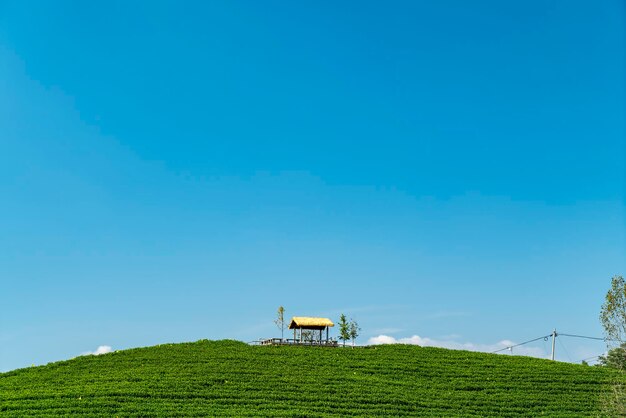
(231, 378)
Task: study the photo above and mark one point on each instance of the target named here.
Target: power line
(591, 358)
(566, 352)
(585, 336)
(545, 349)
(545, 337)
(554, 334)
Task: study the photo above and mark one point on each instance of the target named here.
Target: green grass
(228, 378)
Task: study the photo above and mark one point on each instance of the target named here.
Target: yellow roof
(309, 321)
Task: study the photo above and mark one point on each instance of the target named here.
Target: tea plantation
(229, 378)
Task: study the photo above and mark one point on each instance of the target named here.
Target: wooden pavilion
(306, 331)
(311, 324)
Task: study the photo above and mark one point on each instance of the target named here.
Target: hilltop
(229, 378)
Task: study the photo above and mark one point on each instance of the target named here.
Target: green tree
(613, 318)
(613, 313)
(354, 330)
(344, 329)
(615, 358)
(308, 335)
(280, 321)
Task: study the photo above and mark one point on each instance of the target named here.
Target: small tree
(354, 330)
(613, 313)
(615, 358)
(344, 329)
(308, 336)
(280, 322)
(613, 318)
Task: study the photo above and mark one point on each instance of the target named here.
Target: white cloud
(456, 345)
(382, 339)
(103, 349)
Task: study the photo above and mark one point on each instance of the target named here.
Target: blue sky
(171, 172)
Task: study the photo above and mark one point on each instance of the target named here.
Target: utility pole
(553, 341)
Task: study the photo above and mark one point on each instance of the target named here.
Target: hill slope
(218, 378)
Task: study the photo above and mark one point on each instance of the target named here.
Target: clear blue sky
(176, 171)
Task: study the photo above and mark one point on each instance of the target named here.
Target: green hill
(222, 378)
